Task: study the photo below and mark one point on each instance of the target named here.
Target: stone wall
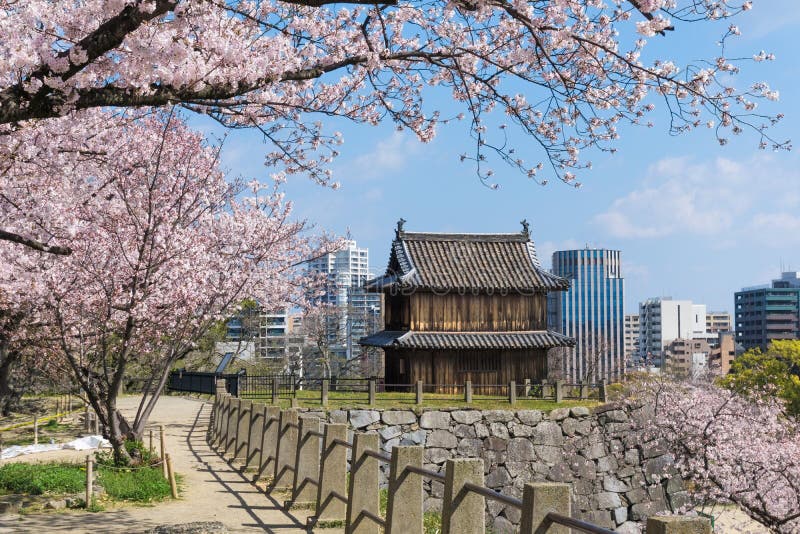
(617, 481)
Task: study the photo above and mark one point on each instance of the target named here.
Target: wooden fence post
(512, 393)
(332, 490)
(584, 389)
(419, 392)
(363, 502)
(35, 430)
(287, 449)
(468, 391)
(371, 392)
(88, 481)
(559, 391)
(171, 475)
(404, 510)
(325, 389)
(463, 512)
(255, 436)
(163, 451)
(96, 421)
(86, 422)
(527, 385)
(539, 499)
(306, 472)
(269, 441)
(678, 525)
(602, 394)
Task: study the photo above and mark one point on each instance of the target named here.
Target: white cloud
(388, 156)
(710, 199)
(777, 229)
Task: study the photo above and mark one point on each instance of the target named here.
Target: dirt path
(213, 490)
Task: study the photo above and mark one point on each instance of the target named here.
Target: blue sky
(693, 220)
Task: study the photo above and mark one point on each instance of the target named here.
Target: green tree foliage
(775, 371)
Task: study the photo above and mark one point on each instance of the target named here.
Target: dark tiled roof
(497, 262)
(533, 339)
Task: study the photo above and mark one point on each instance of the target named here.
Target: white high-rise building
(663, 320)
(631, 337)
(347, 270)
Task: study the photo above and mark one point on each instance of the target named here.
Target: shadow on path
(213, 489)
(235, 483)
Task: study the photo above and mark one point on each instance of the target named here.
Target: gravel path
(213, 490)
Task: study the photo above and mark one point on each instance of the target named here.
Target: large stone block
(548, 433)
(520, 450)
(612, 483)
(467, 417)
(417, 437)
(465, 431)
(399, 417)
(363, 418)
(470, 447)
(442, 438)
(436, 455)
(520, 430)
(499, 429)
(497, 478)
(549, 454)
(435, 419)
(498, 416)
(529, 417)
(389, 432)
(559, 414)
(608, 500)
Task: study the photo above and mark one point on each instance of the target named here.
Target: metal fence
(200, 382)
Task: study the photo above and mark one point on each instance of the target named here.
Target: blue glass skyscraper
(591, 312)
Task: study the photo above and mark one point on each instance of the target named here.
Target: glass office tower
(591, 312)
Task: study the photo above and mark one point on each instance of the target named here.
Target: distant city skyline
(693, 219)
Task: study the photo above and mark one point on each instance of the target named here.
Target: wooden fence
(310, 460)
(365, 390)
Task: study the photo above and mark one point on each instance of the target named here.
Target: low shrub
(38, 479)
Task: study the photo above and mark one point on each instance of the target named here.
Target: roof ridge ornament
(399, 229)
(526, 228)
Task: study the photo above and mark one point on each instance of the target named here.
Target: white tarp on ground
(80, 444)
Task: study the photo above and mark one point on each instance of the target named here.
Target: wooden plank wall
(455, 367)
(428, 312)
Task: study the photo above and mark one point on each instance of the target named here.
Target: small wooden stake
(171, 475)
(88, 480)
(163, 452)
(151, 442)
(35, 430)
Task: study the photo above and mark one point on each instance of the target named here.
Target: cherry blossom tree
(729, 448)
(161, 248)
(561, 71)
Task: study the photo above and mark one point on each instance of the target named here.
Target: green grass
(39, 479)
(399, 400)
(142, 485)
(137, 485)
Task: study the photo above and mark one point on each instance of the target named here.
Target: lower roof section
(531, 339)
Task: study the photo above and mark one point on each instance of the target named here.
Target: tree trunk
(8, 396)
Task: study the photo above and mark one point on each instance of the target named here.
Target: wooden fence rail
(310, 460)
